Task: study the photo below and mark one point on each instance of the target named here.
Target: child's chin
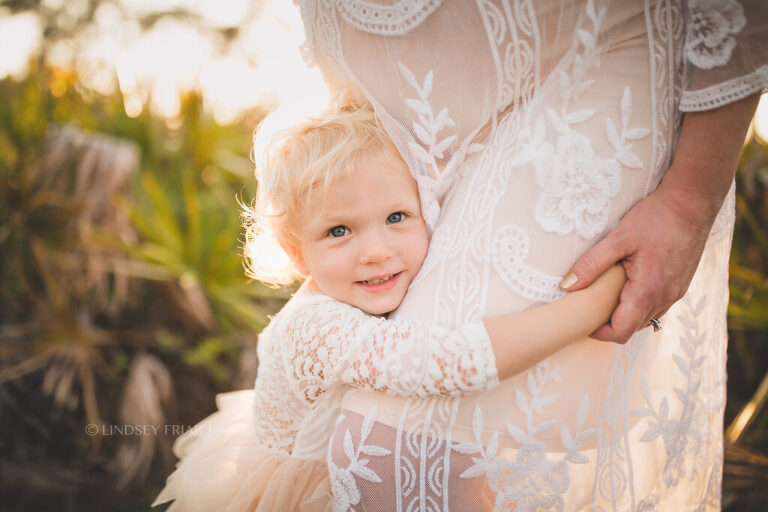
(382, 308)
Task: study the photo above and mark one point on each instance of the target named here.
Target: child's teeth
(378, 281)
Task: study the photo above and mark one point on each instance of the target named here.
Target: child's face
(364, 241)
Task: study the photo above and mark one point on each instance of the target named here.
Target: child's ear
(294, 253)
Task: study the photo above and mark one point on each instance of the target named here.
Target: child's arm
(520, 340)
(332, 342)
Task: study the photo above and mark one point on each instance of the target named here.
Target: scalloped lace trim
(397, 19)
(725, 92)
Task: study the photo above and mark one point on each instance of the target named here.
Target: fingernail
(569, 281)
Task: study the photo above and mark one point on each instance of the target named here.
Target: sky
(262, 66)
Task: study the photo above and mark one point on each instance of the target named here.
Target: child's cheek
(419, 246)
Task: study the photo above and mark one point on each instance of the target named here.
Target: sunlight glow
(166, 62)
(133, 104)
(761, 120)
(750, 132)
(223, 14)
(261, 66)
(23, 34)
(229, 86)
(265, 259)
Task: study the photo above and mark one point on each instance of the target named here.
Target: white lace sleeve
(330, 342)
(726, 52)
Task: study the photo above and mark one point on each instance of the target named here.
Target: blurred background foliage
(746, 417)
(125, 302)
(123, 292)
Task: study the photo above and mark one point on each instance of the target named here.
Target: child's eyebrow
(408, 206)
(333, 220)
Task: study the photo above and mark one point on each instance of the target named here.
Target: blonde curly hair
(296, 162)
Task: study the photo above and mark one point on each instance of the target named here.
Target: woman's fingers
(632, 314)
(597, 260)
(659, 250)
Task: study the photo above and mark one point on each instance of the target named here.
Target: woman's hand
(659, 243)
(660, 240)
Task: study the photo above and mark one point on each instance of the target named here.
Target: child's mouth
(380, 280)
(380, 284)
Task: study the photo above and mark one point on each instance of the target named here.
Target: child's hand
(604, 292)
(520, 340)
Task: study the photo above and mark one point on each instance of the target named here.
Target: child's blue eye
(396, 217)
(338, 231)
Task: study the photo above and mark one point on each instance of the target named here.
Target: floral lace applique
(577, 187)
(344, 488)
(709, 41)
(576, 184)
(343, 483)
(648, 504)
(533, 482)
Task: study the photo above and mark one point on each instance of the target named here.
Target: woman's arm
(332, 342)
(660, 240)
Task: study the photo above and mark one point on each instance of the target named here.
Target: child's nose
(375, 249)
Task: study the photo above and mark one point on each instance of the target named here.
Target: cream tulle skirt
(223, 468)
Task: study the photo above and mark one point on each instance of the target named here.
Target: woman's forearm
(705, 160)
(520, 340)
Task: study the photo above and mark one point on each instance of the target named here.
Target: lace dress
(532, 126)
(265, 449)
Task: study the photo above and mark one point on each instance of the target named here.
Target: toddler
(341, 202)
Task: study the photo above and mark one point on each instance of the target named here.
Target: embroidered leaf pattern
(680, 430)
(429, 147)
(345, 491)
(533, 478)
